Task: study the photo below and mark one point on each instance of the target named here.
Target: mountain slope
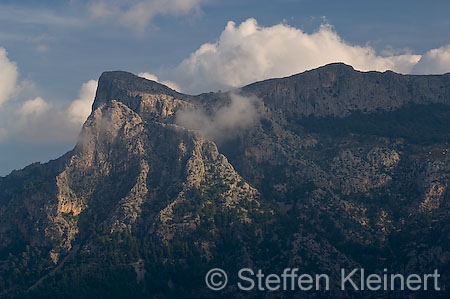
(340, 169)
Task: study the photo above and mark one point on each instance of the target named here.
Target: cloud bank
(80, 108)
(8, 77)
(33, 108)
(36, 120)
(224, 122)
(249, 52)
(137, 14)
(436, 61)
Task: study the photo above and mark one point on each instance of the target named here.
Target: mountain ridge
(338, 90)
(139, 187)
(300, 90)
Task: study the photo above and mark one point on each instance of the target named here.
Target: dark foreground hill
(328, 169)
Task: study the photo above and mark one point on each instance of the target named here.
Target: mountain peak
(335, 66)
(117, 85)
(128, 80)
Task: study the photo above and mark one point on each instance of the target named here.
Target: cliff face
(127, 171)
(338, 90)
(340, 169)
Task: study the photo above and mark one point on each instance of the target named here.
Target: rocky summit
(326, 170)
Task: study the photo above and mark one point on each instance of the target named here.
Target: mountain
(328, 169)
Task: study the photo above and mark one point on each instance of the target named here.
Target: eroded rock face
(358, 172)
(436, 183)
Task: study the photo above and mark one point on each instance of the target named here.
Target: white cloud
(153, 77)
(223, 123)
(31, 119)
(33, 108)
(148, 76)
(8, 77)
(250, 52)
(37, 121)
(138, 14)
(436, 61)
(80, 108)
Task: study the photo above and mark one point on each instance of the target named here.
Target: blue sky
(55, 49)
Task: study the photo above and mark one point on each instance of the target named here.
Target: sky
(53, 52)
